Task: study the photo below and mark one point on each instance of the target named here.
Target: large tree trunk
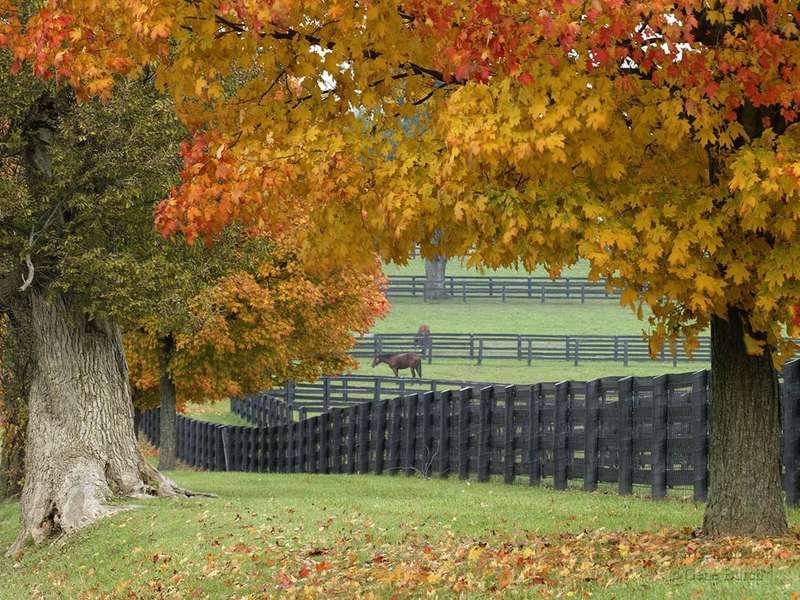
(81, 450)
(745, 496)
(434, 278)
(168, 437)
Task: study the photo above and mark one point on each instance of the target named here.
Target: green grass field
(351, 536)
(519, 316)
(510, 371)
(574, 318)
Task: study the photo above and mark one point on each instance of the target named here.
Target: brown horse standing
(423, 339)
(401, 360)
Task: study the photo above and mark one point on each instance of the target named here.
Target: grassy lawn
(215, 412)
(519, 316)
(511, 371)
(351, 536)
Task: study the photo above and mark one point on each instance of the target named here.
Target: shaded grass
(171, 540)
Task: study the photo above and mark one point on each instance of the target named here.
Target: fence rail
(648, 431)
(505, 288)
(528, 347)
(340, 392)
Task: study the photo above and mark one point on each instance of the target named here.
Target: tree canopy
(654, 139)
(657, 140)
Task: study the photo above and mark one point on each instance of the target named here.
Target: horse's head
(377, 360)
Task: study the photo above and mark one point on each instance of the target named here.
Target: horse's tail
(419, 367)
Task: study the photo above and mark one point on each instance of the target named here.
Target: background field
(495, 316)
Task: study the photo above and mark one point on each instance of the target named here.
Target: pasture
(379, 537)
(299, 535)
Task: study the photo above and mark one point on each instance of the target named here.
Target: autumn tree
(264, 318)
(80, 178)
(656, 140)
(79, 183)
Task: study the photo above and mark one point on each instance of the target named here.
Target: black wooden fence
(650, 431)
(337, 392)
(528, 347)
(504, 288)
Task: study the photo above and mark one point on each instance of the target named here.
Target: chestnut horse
(423, 339)
(401, 360)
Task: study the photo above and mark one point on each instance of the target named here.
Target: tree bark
(434, 278)
(167, 447)
(81, 450)
(745, 495)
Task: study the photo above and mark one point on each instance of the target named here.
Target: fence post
(444, 433)
(352, 416)
(376, 394)
(658, 453)
(464, 292)
(263, 446)
(463, 432)
(504, 292)
(324, 441)
(409, 453)
(253, 449)
(426, 454)
(290, 447)
(336, 415)
(541, 290)
(484, 433)
(394, 434)
(379, 423)
(591, 436)
(363, 436)
(530, 353)
(791, 436)
(509, 431)
(480, 351)
(534, 439)
(326, 394)
(560, 433)
(225, 442)
(283, 458)
(576, 347)
(625, 435)
(700, 383)
(625, 351)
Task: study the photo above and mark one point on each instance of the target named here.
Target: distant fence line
(528, 347)
(343, 391)
(650, 431)
(504, 288)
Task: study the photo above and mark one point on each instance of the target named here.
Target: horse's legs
(394, 370)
